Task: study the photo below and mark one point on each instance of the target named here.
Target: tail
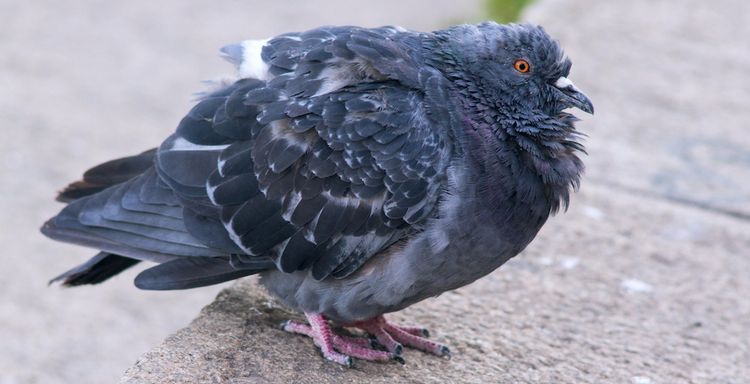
(104, 265)
(98, 269)
(124, 209)
(106, 175)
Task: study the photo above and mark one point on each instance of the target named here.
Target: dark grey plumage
(358, 170)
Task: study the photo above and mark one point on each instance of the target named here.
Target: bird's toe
(338, 358)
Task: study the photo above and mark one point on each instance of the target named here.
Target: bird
(356, 171)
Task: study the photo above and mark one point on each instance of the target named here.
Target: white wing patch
(181, 144)
(252, 65)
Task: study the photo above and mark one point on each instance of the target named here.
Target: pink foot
(322, 334)
(394, 337)
(341, 348)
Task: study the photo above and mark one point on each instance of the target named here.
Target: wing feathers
(330, 156)
(96, 270)
(342, 149)
(191, 273)
(108, 174)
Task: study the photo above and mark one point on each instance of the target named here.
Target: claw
(375, 344)
(398, 350)
(445, 352)
(338, 358)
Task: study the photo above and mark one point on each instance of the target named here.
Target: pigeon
(357, 171)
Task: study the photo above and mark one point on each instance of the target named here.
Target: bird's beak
(573, 96)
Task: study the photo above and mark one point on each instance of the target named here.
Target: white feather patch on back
(252, 65)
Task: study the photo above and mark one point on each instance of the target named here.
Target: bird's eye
(522, 66)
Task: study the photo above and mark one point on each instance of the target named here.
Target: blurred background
(87, 81)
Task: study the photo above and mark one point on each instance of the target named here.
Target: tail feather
(96, 270)
(101, 221)
(106, 175)
(124, 209)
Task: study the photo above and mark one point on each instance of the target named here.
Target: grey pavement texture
(645, 280)
(597, 299)
(86, 81)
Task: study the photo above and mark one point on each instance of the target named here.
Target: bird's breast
(462, 242)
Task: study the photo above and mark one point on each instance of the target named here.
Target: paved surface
(617, 290)
(644, 280)
(86, 81)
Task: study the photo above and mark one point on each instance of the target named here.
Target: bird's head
(516, 67)
(511, 83)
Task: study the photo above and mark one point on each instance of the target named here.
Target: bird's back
(333, 155)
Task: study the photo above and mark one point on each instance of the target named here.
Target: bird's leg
(393, 337)
(323, 336)
(329, 342)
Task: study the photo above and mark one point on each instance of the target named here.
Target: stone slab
(622, 288)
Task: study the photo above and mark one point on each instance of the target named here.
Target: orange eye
(522, 66)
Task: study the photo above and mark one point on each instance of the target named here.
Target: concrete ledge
(622, 288)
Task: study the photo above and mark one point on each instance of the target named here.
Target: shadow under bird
(357, 171)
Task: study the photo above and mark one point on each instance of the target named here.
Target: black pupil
(522, 66)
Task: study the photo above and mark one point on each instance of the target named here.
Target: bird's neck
(519, 161)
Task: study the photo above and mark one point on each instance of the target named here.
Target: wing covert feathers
(336, 154)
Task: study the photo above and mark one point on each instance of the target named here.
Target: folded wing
(335, 152)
